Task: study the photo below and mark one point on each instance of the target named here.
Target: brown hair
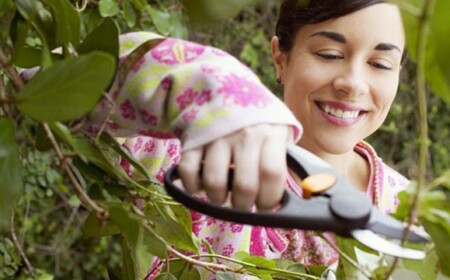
(294, 14)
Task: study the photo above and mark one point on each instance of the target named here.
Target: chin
(339, 147)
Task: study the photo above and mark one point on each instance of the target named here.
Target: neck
(350, 164)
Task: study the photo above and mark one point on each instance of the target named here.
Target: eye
(381, 64)
(329, 55)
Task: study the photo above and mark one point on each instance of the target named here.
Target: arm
(190, 91)
(219, 110)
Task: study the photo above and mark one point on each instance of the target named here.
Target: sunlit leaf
(129, 13)
(174, 233)
(443, 180)
(161, 20)
(108, 8)
(104, 38)
(10, 170)
(426, 268)
(67, 90)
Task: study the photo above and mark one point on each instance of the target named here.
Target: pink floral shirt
(196, 93)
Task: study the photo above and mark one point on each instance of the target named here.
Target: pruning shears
(329, 203)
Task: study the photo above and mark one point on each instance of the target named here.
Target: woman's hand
(258, 154)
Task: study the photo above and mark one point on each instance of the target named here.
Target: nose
(351, 81)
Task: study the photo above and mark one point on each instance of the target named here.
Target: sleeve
(186, 90)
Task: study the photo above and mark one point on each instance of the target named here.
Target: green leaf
(11, 186)
(34, 13)
(224, 276)
(85, 149)
(436, 50)
(440, 31)
(160, 19)
(205, 11)
(142, 243)
(103, 38)
(93, 228)
(109, 141)
(263, 265)
(426, 268)
(129, 13)
(42, 143)
(165, 276)
(183, 216)
(7, 12)
(175, 233)
(67, 90)
(440, 234)
(128, 267)
(108, 8)
(182, 270)
(66, 22)
(345, 270)
(443, 180)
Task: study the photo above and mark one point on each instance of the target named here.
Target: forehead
(371, 25)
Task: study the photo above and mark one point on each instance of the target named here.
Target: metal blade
(381, 245)
(390, 227)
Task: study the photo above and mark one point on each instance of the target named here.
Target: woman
(339, 64)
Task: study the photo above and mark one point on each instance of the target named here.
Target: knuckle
(213, 182)
(186, 168)
(245, 188)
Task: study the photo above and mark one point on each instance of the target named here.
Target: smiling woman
(339, 67)
(340, 78)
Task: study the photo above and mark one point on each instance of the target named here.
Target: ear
(278, 57)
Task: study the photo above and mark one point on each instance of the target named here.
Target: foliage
(75, 212)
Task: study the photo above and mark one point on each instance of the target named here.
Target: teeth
(338, 112)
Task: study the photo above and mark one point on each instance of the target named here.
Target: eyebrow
(331, 35)
(341, 39)
(386, 47)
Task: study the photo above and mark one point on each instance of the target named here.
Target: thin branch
(81, 194)
(10, 71)
(19, 248)
(4, 100)
(111, 109)
(424, 28)
(213, 266)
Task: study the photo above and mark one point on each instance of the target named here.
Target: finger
(273, 173)
(246, 175)
(215, 171)
(189, 169)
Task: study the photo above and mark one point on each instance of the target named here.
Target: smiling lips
(340, 114)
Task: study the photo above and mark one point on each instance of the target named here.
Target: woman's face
(341, 76)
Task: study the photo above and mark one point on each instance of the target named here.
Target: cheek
(302, 82)
(387, 93)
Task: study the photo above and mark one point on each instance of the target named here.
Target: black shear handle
(316, 213)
